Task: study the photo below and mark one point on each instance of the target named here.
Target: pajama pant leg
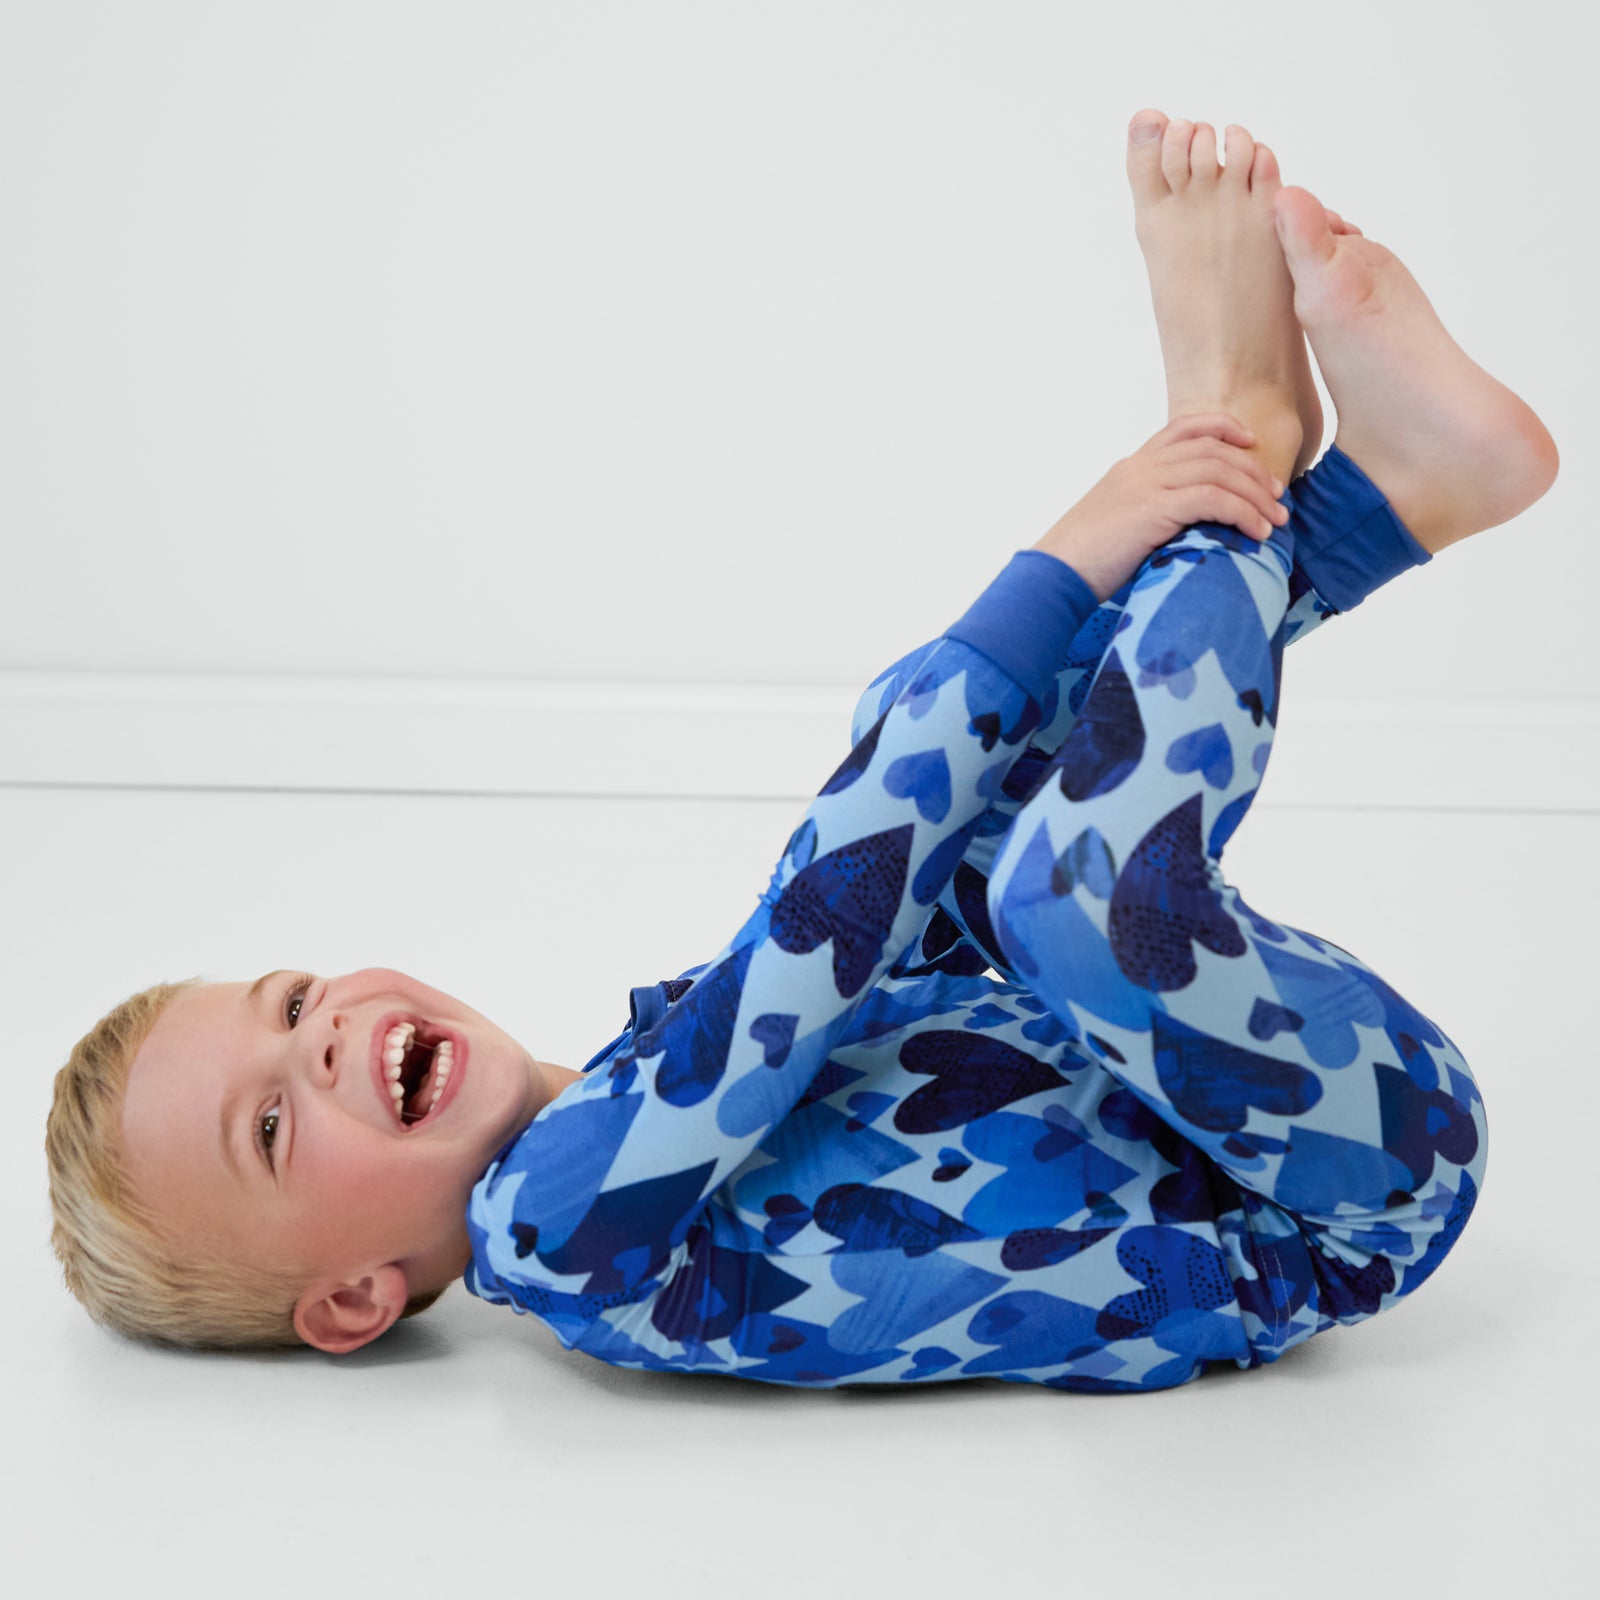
(964, 900)
(1345, 1131)
(1347, 543)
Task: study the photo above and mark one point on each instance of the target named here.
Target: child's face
(230, 1067)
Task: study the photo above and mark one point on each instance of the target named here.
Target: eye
(267, 1135)
(294, 1001)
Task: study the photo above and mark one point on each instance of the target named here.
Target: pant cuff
(1348, 540)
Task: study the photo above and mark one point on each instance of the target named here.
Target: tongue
(416, 1104)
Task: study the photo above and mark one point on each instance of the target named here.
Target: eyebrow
(261, 983)
(230, 1104)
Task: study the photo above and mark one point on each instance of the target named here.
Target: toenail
(1144, 132)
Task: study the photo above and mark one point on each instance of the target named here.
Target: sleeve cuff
(1026, 620)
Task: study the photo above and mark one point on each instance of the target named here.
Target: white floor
(1443, 1449)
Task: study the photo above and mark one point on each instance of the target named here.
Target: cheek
(348, 1178)
(366, 1180)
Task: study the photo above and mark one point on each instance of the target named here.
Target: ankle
(1269, 412)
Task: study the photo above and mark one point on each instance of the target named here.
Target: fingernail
(1277, 486)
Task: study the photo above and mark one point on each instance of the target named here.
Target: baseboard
(654, 740)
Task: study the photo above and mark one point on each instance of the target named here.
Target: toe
(1239, 150)
(1264, 174)
(1203, 153)
(1303, 228)
(1175, 154)
(1144, 154)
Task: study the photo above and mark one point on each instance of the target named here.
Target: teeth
(444, 1058)
(394, 1052)
(394, 1048)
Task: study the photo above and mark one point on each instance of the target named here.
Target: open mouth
(416, 1064)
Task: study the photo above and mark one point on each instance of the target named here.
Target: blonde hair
(117, 1258)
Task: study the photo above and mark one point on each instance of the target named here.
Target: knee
(1038, 922)
(1013, 889)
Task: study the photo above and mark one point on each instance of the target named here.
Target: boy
(1170, 1132)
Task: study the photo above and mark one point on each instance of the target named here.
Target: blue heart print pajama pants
(1167, 1131)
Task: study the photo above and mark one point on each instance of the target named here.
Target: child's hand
(1196, 469)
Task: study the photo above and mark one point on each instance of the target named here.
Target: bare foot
(1453, 450)
(1224, 300)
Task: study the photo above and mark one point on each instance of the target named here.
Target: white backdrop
(703, 343)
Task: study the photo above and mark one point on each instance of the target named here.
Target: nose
(334, 1044)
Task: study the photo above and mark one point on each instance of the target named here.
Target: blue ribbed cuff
(1347, 539)
(1026, 620)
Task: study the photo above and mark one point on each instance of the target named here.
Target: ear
(341, 1316)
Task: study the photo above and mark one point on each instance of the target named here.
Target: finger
(1210, 502)
(1206, 424)
(1221, 454)
(1198, 477)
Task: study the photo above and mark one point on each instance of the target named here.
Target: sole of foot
(1453, 450)
(1224, 300)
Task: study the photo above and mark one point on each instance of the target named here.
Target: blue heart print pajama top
(1001, 1078)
